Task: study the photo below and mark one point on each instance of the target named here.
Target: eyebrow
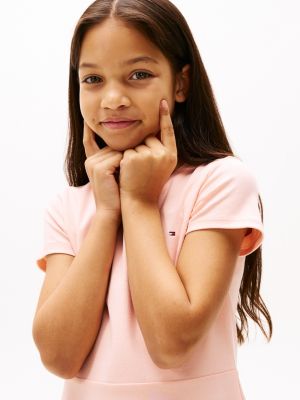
(135, 60)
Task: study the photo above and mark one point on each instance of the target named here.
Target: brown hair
(200, 134)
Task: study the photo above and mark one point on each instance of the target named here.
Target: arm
(159, 297)
(175, 306)
(67, 323)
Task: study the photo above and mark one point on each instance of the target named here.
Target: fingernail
(164, 105)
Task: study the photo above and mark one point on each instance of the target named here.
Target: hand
(145, 169)
(101, 165)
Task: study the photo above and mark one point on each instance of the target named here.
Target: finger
(113, 164)
(142, 149)
(89, 143)
(102, 155)
(154, 143)
(103, 152)
(129, 153)
(166, 127)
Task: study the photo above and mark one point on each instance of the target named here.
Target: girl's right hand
(100, 166)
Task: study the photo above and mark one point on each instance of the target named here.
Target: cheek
(153, 119)
(82, 105)
(87, 109)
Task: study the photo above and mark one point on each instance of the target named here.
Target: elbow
(60, 369)
(54, 361)
(171, 358)
(172, 348)
(175, 354)
(58, 364)
(169, 361)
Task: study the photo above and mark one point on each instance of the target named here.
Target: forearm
(159, 297)
(68, 322)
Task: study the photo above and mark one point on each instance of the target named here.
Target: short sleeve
(56, 239)
(228, 198)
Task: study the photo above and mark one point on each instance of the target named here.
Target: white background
(251, 53)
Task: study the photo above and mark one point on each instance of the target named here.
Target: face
(119, 87)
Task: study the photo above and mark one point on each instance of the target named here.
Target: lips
(118, 124)
(118, 119)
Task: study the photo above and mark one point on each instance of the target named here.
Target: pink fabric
(222, 194)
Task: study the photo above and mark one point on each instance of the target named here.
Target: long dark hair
(200, 134)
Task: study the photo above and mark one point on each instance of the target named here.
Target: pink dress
(222, 194)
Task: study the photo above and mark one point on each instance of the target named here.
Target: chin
(119, 147)
(122, 144)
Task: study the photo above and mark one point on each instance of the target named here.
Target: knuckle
(169, 130)
(160, 153)
(173, 160)
(146, 154)
(98, 169)
(172, 157)
(119, 156)
(130, 157)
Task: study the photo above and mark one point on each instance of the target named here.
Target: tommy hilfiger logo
(171, 233)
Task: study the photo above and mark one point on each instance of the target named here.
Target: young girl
(156, 241)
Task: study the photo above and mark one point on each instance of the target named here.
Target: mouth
(119, 124)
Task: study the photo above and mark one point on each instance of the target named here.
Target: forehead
(113, 41)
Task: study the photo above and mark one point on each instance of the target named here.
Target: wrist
(112, 217)
(133, 205)
(128, 199)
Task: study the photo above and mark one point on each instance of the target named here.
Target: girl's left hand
(145, 169)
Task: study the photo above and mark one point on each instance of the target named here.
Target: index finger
(167, 130)
(89, 143)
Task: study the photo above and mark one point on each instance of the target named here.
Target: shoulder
(76, 193)
(226, 196)
(229, 162)
(219, 178)
(229, 170)
(67, 196)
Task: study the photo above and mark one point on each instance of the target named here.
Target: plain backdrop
(251, 53)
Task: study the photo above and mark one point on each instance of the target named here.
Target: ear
(182, 84)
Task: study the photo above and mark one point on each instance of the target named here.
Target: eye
(142, 72)
(89, 83)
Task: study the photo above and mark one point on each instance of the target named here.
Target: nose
(113, 97)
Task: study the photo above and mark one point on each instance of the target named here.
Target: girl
(156, 241)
